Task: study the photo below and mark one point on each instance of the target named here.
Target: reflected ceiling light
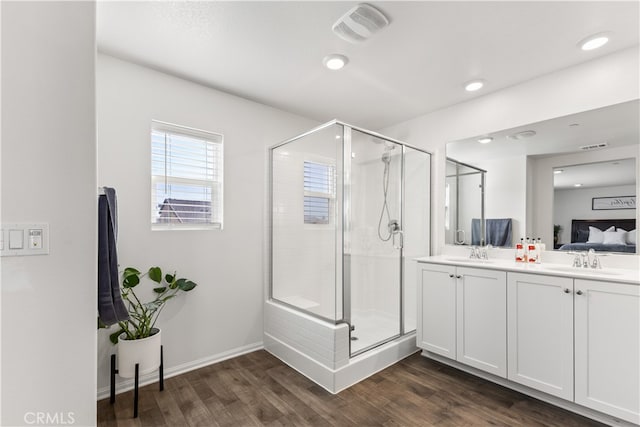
(577, 185)
(335, 61)
(594, 41)
(558, 171)
(523, 135)
(485, 140)
(473, 85)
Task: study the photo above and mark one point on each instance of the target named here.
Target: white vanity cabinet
(575, 339)
(607, 347)
(436, 330)
(463, 315)
(540, 332)
(482, 319)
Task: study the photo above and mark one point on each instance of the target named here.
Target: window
(319, 190)
(186, 178)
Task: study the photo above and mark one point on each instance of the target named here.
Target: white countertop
(620, 275)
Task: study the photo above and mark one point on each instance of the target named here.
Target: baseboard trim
(126, 385)
(553, 400)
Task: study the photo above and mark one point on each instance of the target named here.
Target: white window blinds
(319, 190)
(186, 178)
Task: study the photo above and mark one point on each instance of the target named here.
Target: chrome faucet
(480, 252)
(484, 252)
(595, 263)
(585, 260)
(475, 252)
(576, 260)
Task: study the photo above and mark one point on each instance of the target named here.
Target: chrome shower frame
(343, 262)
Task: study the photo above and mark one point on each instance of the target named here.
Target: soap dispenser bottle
(520, 255)
(540, 248)
(532, 250)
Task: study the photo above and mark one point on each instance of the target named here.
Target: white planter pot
(145, 352)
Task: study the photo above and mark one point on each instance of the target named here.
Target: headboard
(580, 227)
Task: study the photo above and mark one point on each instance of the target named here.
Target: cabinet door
(607, 341)
(482, 319)
(540, 332)
(436, 330)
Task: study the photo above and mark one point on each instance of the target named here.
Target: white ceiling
(272, 52)
(601, 174)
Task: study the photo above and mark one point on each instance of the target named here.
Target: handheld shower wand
(393, 225)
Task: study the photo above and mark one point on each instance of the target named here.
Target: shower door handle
(401, 239)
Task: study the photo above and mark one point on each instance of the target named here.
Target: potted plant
(138, 339)
(557, 228)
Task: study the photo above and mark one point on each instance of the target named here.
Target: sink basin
(588, 271)
(467, 259)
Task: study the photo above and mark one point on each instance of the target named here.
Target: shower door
(373, 239)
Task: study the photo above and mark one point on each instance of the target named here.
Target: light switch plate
(24, 239)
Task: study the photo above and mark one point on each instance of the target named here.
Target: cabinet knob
(579, 292)
(567, 291)
(452, 276)
(459, 276)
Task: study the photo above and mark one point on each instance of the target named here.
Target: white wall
(223, 315)
(49, 175)
(575, 203)
(609, 80)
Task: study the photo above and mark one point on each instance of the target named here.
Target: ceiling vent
(594, 146)
(360, 23)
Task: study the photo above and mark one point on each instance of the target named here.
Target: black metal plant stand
(114, 371)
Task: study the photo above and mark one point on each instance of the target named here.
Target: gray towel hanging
(111, 308)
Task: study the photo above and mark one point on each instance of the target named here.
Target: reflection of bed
(580, 235)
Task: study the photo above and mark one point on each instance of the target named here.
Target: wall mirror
(532, 172)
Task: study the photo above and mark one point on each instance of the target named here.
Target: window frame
(215, 185)
(330, 195)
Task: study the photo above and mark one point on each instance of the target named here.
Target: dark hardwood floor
(258, 389)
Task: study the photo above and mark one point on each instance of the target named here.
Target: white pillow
(596, 235)
(630, 236)
(614, 238)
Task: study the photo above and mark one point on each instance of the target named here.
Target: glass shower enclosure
(464, 204)
(349, 213)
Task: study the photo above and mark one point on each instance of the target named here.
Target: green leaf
(169, 278)
(130, 270)
(114, 336)
(155, 274)
(160, 290)
(130, 281)
(185, 284)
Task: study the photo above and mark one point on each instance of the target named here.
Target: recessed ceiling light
(577, 185)
(485, 140)
(594, 41)
(557, 171)
(473, 85)
(335, 61)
